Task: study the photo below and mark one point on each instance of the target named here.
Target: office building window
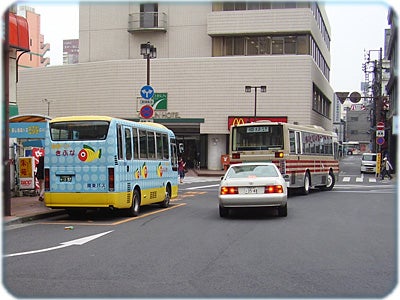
(321, 104)
(149, 15)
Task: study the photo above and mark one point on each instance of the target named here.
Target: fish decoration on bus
(144, 171)
(137, 173)
(88, 154)
(159, 170)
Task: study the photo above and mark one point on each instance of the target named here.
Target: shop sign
(165, 115)
(28, 130)
(160, 101)
(233, 121)
(26, 173)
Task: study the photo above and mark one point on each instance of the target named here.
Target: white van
(368, 163)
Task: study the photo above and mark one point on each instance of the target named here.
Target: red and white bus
(306, 155)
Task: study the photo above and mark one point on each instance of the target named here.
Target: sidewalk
(27, 208)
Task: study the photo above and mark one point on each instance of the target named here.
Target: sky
(355, 27)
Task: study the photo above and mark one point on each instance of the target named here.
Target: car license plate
(250, 190)
(65, 178)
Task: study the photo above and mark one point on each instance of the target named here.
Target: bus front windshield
(79, 130)
(257, 137)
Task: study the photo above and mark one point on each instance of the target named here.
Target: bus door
(298, 142)
(125, 157)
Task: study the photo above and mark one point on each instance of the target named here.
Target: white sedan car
(252, 185)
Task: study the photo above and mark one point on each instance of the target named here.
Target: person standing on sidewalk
(40, 177)
(387, 167)
(181, 169)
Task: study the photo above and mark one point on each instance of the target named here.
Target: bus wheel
(306, 187)
(165, 203)
(135, 208)
(330, 183)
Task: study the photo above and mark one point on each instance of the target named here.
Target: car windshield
(369, 157)
(245, 171)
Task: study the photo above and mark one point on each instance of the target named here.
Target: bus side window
(174, 155)
(135, 143)
(128, 144)
(292, 142)
(298, 143)
(159, 146)
(143, 143)
(165, 146)
(151, 144)
(119, 142)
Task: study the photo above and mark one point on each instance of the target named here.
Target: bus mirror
(181, 148)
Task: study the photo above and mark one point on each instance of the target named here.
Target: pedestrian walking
(386, 168)
(40, 177)
(181, 169)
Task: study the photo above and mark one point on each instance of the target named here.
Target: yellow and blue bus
(96, 162)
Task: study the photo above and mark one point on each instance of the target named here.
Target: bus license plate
(250, 190)
(65, 178)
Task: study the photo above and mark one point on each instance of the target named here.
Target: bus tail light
(111, 179)
(47, 179)
(235, 155)
(273, 189)
(229, 190)
(278, 154)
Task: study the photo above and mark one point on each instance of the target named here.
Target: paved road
(332, 244)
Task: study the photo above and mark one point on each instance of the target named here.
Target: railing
(44, 48)
(44, 61)
(147, 21)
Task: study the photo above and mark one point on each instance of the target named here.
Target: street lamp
(148, 51)
(48, 105)
(263, 89)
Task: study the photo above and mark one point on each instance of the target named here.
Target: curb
(38, 216)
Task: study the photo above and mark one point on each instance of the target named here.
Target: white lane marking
(77, 242)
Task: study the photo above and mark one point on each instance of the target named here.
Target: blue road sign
(146, 111)
(147, 92)
(380, 140)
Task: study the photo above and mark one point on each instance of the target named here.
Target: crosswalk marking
(342, 179)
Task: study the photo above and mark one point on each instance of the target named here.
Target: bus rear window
(257, 137)
(79, 130)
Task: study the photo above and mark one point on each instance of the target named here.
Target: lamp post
(263, 89)
(148, 51)
(48, 105)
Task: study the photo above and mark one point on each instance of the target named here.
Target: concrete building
(392, 88)
(70, 51)
(206, 54)
(38, 48)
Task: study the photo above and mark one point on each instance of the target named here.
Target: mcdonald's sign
(238, 120)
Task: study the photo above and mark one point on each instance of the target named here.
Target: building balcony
(148, 21)
(44, 61)
(44, 48)
(259, 21)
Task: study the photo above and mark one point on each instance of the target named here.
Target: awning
(34, 143)
(18, 32)
(29, 118)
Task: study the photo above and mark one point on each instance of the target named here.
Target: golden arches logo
(237, 121)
